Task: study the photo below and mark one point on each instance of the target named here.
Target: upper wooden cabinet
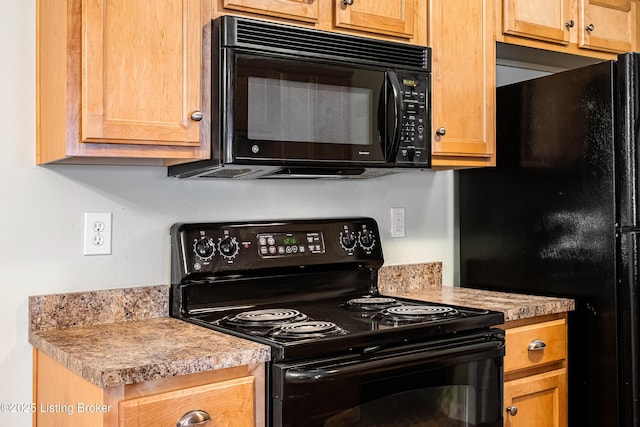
(299, 10)
(399, 20)
(120, 81)
(548, 20)
(393, 17)
(607, 25)
(598, 28)
(464, 82)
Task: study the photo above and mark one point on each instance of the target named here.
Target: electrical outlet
(97, 233)
(397, 222)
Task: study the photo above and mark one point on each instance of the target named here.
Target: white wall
(42, 212)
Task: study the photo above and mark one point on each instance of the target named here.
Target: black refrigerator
(559, 216)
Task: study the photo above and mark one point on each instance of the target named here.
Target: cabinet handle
(512, 410)
(196, 116)
(347, 2)
(197, 417)
(590, 27)
(570, 24)
(537, 345)
(442, 131)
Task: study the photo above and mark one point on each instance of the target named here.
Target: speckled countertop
(424, 282)
(124, 336)
(514, 306)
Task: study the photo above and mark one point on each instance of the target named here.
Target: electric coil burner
(263, 319)
(340, 351)
(309, 329)
(371, 304)
(416, 313)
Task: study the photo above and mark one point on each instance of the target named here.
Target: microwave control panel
(415, 129)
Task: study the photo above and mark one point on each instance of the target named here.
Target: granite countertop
(514, 306)
(125, 336)
(423, 282)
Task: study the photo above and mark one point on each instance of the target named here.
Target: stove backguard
(265, 260)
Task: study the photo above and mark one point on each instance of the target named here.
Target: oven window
(465, 394)
(284, 110)
(436, 406)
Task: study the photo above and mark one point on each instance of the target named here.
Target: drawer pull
(512, 410)
(537, 345)
(196, 417)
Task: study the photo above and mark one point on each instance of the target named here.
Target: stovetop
(306, 288)
(332, 326)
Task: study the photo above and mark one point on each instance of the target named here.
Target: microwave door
(292, 111)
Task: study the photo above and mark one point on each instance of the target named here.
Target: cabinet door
(301, 10)
(464, 82)
(141, 71)
(607, 25)
(229, 403)
(548, 20)
(537, 400)
(391, 17)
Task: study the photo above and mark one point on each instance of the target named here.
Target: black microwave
(290, 101)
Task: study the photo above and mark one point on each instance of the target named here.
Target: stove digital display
(290, 244)
(290, 240)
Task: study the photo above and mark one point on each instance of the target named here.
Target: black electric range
(303, 287)
(308, 289)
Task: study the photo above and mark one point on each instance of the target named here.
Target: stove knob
(204, 248)
(367, 239)
(348, 241)
(228, 247)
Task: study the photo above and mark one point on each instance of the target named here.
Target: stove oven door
(453, 382)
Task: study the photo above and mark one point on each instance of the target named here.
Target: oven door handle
(392, 363)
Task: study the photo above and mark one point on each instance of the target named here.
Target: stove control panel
(216, 248)
(290, 244)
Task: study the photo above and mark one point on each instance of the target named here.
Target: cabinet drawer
(229, 403)
(551, 335)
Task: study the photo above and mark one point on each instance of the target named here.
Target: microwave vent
(287, 39)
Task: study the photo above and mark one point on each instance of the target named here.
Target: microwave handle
(396, 93)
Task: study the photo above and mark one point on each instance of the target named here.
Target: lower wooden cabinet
(537, 400)
(227, 403)
(232, 397)
(535, 372)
